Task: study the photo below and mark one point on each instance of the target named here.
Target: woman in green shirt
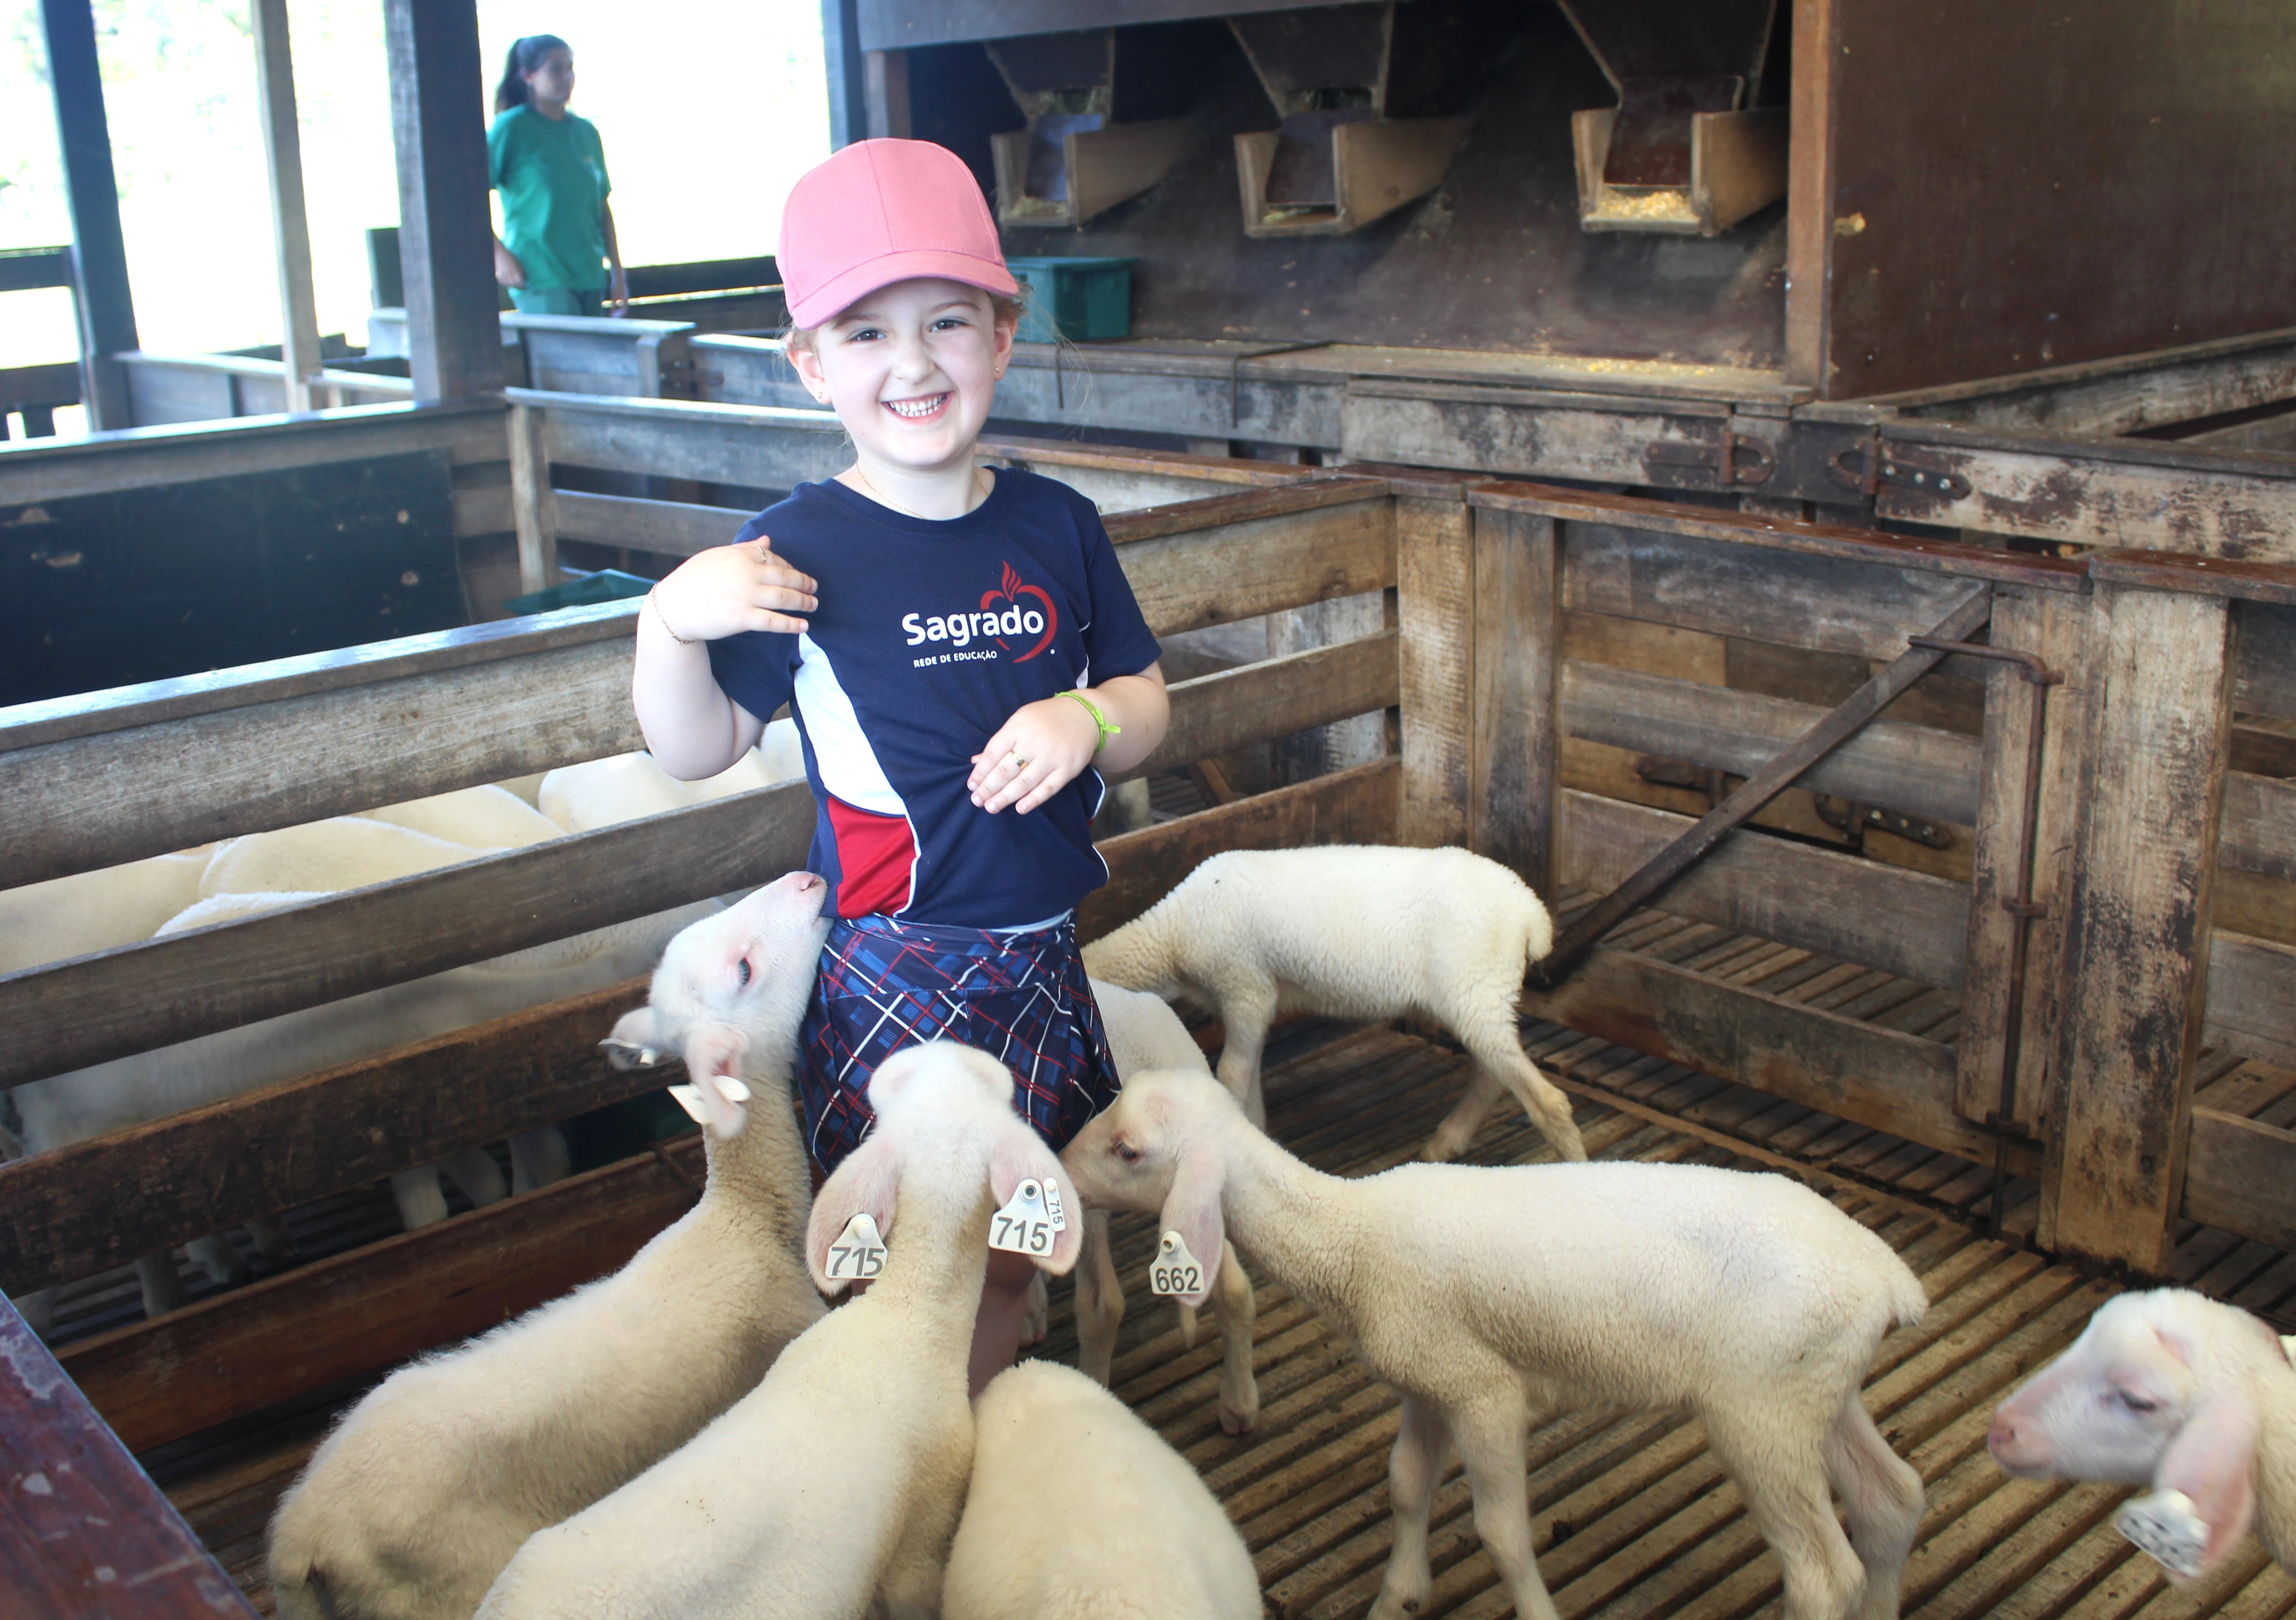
(558, 233)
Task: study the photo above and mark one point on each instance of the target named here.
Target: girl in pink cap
(960, 651)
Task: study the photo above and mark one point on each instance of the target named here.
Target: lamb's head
(728, 985)
(945, 1119)
(2155, 1391)
(1157, 1150)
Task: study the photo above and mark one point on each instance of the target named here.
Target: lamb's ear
(868, 1181)
(637, 1041)
(713, 1062)
(2212, 1459)
(1192, 1209)
(1018, 1155)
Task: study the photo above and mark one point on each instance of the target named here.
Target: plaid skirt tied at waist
(1020, 996)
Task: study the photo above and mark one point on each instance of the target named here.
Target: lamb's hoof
(1438, 1152)
(1396, 1606)
(1239, 1420)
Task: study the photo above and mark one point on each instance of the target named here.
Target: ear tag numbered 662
(858, 1255)
(2163, 1524)
(1027, 1222)
(1174, 1270)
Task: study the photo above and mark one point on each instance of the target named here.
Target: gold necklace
(883, 499)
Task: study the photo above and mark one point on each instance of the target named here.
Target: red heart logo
(1010, 592)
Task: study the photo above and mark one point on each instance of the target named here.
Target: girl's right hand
(728, 589)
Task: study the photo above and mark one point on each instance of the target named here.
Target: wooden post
(1516, 770)
(290, 228)
(100, 290)
(2054, 625)
(1435, 567)
(885, 82)
(2137, 926)
(445, 237)
(532, 510)
(849, 90)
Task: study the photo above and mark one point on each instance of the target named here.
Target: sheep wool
(1078, 1512)
(1495, 1297)
(1354, 931)
(430, 1483)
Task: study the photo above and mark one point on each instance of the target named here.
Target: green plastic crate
(1077, 298)
(607, 585)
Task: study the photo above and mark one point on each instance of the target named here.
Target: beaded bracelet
(1098, 719)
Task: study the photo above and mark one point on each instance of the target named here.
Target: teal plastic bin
(607, 585)
(1077, 298)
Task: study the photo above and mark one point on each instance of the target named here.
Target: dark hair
(525, 56)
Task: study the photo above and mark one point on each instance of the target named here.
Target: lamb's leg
(475, 1172)
(1491, 1445)
(1881, 1497)
(1036, 1318)
(1781, 1476)
(272, 1240)
(220, 1261)
(1496, 1047)
(1463, 1122)
(163, 1286)
(1422, 1448)
(1245, 1018)
(1099, 1300)
(538, 1159)
(1234, 1309)
(421, 1203)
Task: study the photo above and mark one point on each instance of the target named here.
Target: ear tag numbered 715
(1174, 1270)
(2163, 1524)
(858, 1255)
(1027, 1224)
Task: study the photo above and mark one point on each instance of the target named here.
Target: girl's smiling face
(910, 370)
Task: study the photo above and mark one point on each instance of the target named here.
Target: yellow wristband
(1098, 719)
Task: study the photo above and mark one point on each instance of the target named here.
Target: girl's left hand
(1034, 755)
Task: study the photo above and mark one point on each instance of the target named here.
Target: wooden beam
(2252, 986)
(1435, 601)
(2259, 825)
(533, 504)
(672, 528)
(317, 739)
(105, 305)
(1514, 773)
(2137, 930)
(1906, 923)
(1194, 569)
(1225, 510)
(101, 1203)
(1219, 713)
(1913, 768)
(445, 243)
(137, 997)
(290, 229)
(848, 91)
(677, 438)
(885, 88)
(1809, 196)
(355, 1315)
(1354, 806)
(2242, 1176)
(87, 1535)
(1878, 1077)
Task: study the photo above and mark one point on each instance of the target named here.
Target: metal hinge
(1734, 458)
(1874, 467)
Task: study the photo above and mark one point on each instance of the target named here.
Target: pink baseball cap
(878, 212)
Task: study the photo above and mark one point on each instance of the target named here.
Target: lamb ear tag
(2288, 1347)
(858, 1255)
(688, 1097)
(2164, 1525)
(1174, 1270)
(731, 1089)
(1025, 1224)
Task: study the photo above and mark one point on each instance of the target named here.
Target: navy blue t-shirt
(929, 634)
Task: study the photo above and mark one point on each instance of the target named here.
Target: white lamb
(95, 910)
(1353, 931)
(1493, 1297)
(838, 1480)
(2172, 1390)
(1145, 1034)
(623, 787)
(429, 1484)
(1079, 1511)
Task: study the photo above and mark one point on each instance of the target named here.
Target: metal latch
(1865, 466)
(1734, 458)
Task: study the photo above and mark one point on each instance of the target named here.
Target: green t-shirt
(551, 175)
